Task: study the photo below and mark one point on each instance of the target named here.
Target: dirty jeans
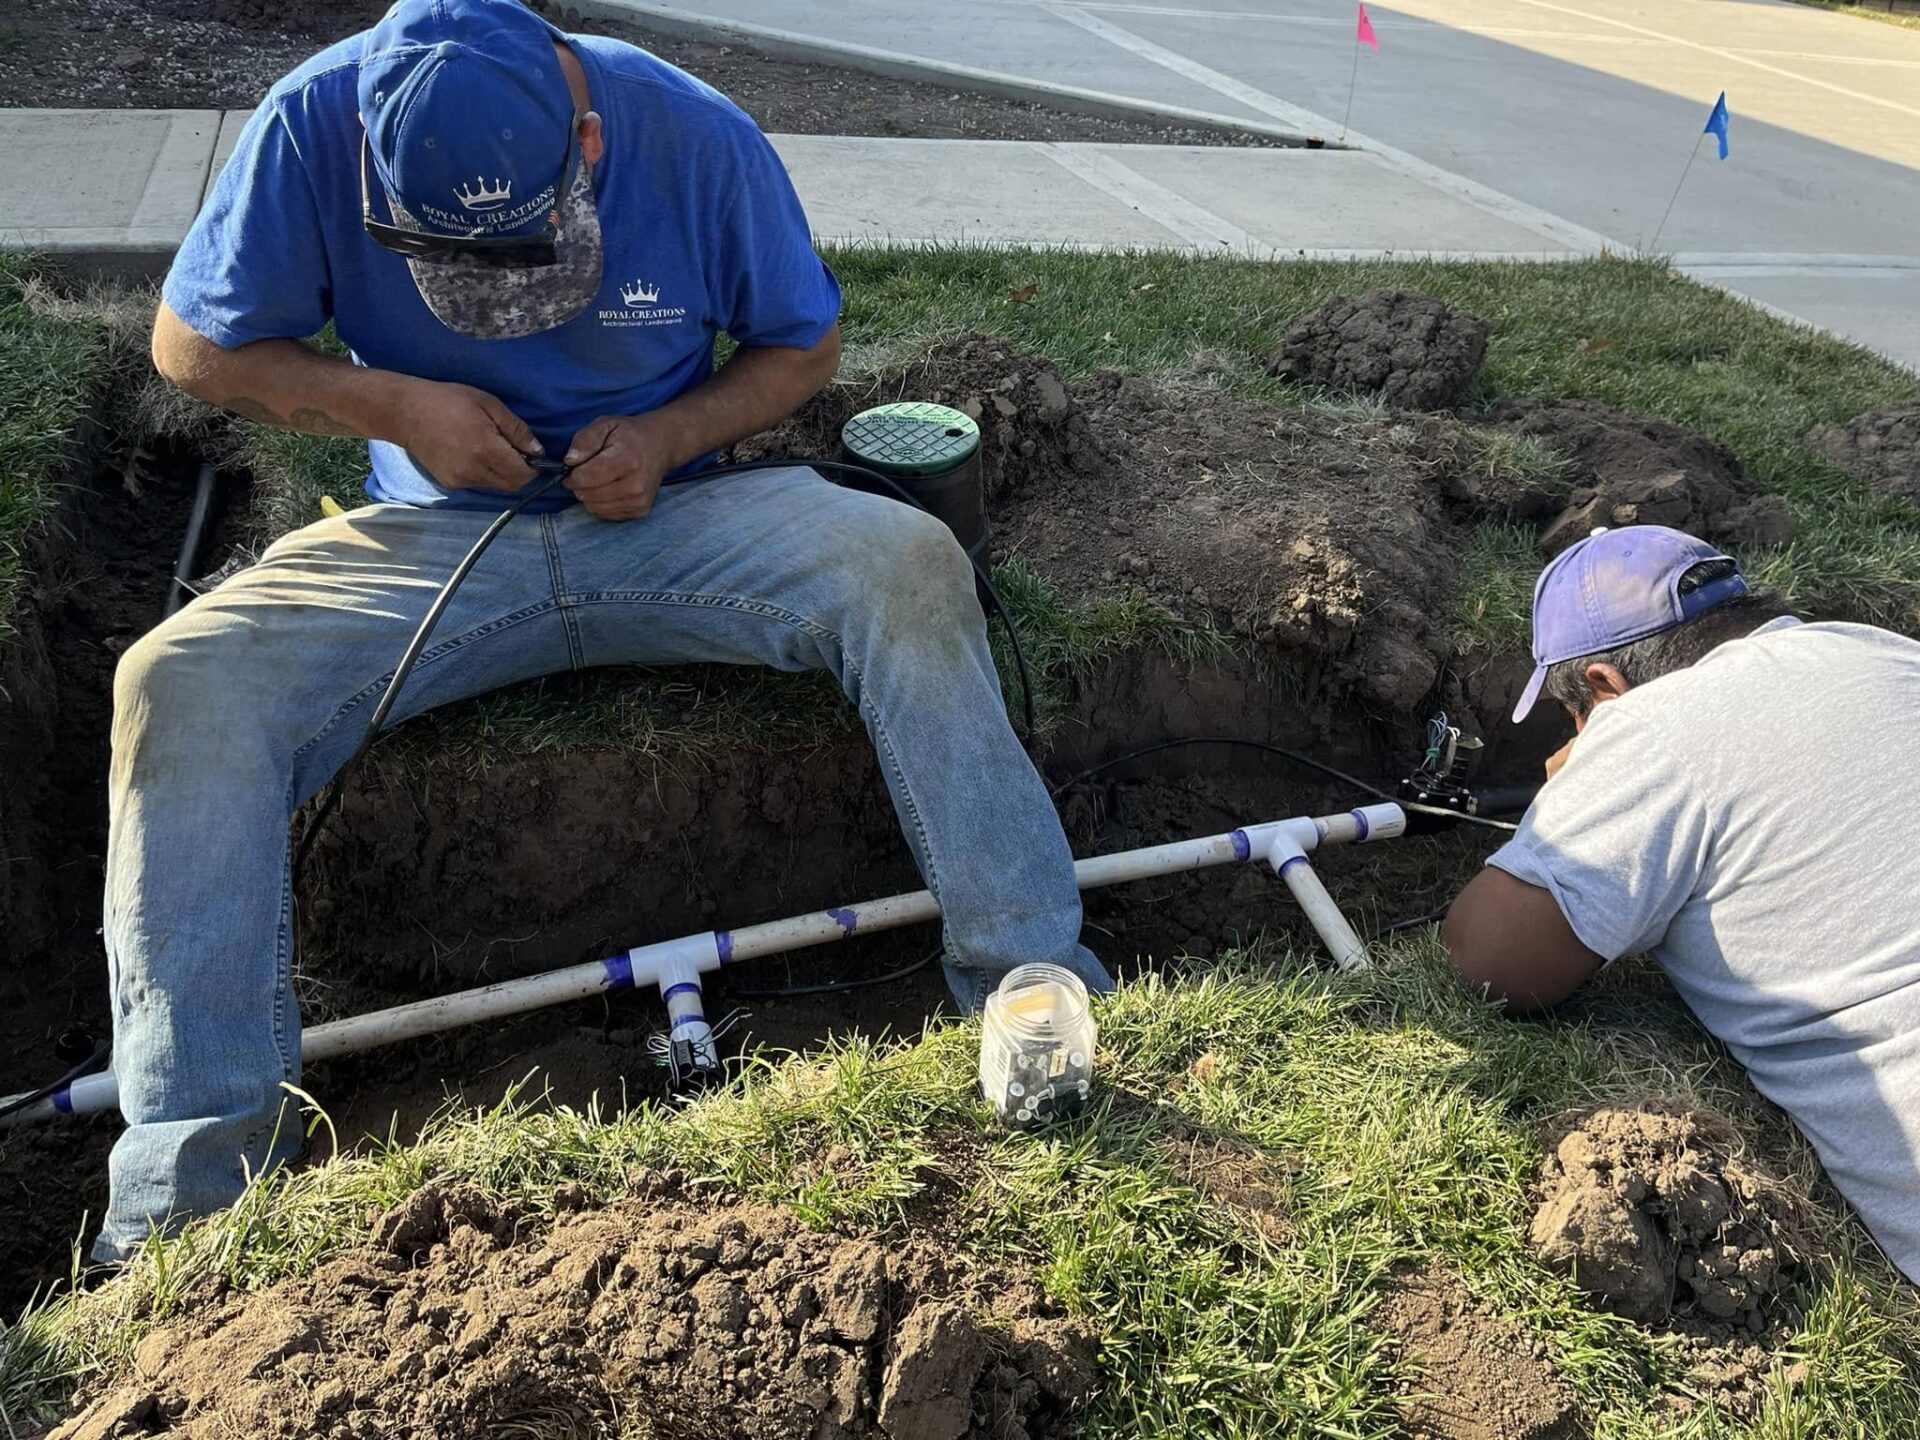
(238, 709)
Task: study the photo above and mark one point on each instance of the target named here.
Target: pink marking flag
(1364, 35)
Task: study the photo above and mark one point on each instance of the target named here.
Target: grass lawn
(1400, 1120)
(49, 374)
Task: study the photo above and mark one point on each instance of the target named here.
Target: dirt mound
(1326, 536)
(685, 1322)
(1315, 534)
(1636, 470)
(1477, 1377)
(1656, 1218)
(1881, 447)
(1413, 351)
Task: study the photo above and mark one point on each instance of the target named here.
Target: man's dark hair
(1674, 649)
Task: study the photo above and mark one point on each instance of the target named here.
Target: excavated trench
(1327, 547)
(1326, 550)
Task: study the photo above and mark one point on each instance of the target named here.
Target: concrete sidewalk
(148, 170)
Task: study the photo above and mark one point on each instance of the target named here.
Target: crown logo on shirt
(484, 198)
(640, 293)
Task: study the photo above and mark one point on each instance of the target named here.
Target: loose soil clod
(1655, 1217)
(685, 1320)
(1880, 447)
(1413, 351)
(1476, 1377)
(1635, 470)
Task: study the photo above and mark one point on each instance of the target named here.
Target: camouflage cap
(493, 302)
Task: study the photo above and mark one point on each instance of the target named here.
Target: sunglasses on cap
(506, 252)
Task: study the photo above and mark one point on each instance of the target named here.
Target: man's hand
(465, 438)
(618, 463)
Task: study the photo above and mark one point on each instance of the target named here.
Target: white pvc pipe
(1289, 862)
(675, 965)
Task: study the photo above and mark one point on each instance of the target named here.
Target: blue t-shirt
(701, 229)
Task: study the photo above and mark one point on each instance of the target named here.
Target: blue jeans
(240, 708)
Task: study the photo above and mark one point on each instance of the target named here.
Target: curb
(892, 65)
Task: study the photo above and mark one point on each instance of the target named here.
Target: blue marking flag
(1717, 123)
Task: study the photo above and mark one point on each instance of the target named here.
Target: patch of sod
(1397, 1120)
(50, 372)
(701, 710)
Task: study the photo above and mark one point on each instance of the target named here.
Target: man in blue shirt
(529, 241)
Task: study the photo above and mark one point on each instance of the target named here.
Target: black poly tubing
(183, 568)
(96, 1061)
(1504, 799)
(408, 658)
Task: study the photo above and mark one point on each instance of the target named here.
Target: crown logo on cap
(640, 293)
(484, 198)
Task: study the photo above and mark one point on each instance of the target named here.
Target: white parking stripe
(1301, 119)
(1734, 55)
(1541, 222)
(1292, 19)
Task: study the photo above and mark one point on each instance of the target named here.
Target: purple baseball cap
(1616, 587)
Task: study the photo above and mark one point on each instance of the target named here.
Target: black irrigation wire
(1159, 745)
(33, 1097)
(832, 987)
(408, 658)
(1411, 921)
(1365, 786)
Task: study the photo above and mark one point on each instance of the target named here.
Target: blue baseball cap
(1616, 587)
(470, 127)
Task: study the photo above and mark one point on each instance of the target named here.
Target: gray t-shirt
(1751, 822)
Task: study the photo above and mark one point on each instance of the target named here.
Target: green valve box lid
(911, 437)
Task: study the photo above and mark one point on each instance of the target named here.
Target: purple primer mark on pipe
(619, 972)
(723, 944)
(845, 919)
(63, 1100)
(1242, 847)
(1360, 822)
(1291, 861)
(683, 988)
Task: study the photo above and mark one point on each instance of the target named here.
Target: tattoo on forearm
(308, 419)
(318, 422)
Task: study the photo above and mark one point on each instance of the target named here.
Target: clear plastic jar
(1036, 1046)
